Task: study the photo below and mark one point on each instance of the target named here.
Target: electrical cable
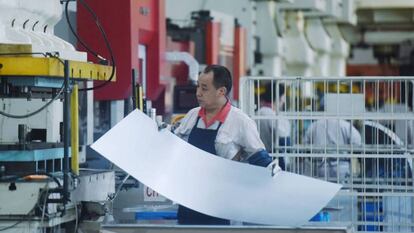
(119, 188)
(51, 176)
(43, 209)
(95, 54)
(11, 226)
(77, 36)
(76, 216)
(108, 46)
(48, 103)
(36, 111)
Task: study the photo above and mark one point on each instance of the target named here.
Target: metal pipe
(74, 130)
(188, 59)
(141, 98)
(66, 132)
(130, 228)
(134, 90)
(22, 133)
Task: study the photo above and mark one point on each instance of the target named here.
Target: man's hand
(274, 167)
(162, 125)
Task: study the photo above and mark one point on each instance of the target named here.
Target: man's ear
(223, 90)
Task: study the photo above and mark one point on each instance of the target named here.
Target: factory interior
(325, 86)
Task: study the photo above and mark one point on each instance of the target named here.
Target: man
(273, 133)
(332, 132)
(221, 129)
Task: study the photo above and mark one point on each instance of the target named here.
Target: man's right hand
(274, 167)
(162, 126)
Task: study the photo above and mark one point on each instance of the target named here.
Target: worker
(332, 132)
(329, 132)
(274, 133)
(403, 128)
(221, 129)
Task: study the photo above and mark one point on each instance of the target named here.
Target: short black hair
(267, 94)
(221, 76)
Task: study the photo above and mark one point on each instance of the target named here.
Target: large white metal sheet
(208, 183)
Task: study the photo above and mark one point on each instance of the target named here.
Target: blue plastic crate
(159, 215)
(371, 211)
(322, 216)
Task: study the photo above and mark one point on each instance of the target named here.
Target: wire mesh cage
(356, 131)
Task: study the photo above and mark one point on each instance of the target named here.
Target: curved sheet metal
(208, 183)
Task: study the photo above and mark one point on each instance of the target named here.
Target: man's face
(207, 94)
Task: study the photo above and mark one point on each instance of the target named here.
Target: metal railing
(356, 131)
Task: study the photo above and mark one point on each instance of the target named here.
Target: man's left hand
(274, 167)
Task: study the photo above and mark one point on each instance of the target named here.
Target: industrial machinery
(41, 184)
(211, 37)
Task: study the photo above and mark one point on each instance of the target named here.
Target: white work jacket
(237, 133)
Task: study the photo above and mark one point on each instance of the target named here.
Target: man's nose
(198, 93)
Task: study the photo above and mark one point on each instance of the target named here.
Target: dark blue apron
(283, 142)
(203, 139)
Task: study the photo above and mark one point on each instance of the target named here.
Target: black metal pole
(66, 112)
(134, 90)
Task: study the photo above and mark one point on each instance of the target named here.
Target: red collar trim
(220, 116)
